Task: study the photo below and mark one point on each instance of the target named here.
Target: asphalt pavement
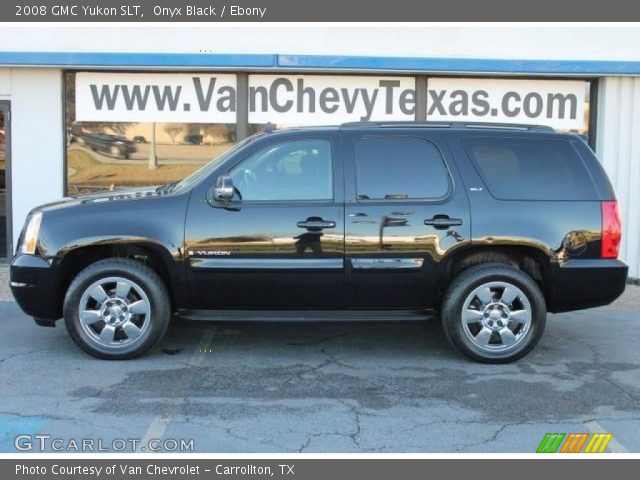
(322, 388)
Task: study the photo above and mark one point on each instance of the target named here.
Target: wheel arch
(532, 260)
(77, 257)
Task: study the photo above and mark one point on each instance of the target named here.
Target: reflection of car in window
(193, 139)
(112, 145)
(485, 226)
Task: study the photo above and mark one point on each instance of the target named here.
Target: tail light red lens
(611, 229)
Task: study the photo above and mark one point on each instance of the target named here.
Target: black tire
(159, 308)
(464, 285)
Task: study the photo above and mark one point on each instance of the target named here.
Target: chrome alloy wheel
(115, 313)
(496, 317)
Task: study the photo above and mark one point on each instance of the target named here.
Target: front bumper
(580, 284)
(35, 286)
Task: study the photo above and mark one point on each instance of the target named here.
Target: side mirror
(223, 189)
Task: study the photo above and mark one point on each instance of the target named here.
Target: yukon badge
(210, 253)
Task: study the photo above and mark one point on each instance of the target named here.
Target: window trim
(420, 200)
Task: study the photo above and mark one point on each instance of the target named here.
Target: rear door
(405, 211)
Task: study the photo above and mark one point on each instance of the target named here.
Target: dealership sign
(557, 103)
(327, 100)
(324, 99)
(155, 97)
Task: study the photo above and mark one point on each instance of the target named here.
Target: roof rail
(452, 125)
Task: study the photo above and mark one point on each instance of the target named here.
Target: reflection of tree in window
(173, 130)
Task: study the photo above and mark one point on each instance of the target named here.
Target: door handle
(443, 221)
(317, 224)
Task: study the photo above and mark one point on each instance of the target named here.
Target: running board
(249, 316)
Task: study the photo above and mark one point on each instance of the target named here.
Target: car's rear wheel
(117, 309)
(494, 313)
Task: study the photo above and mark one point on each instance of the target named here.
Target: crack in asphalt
(460, 447)
(355, 411)
(28, 352)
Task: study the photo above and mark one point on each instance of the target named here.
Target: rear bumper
(580, 284)
(34, 285)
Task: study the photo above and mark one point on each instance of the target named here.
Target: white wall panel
(36, 141)
(489, 41)
(618, 147)
(5, 82)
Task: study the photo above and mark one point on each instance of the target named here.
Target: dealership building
(109, 106)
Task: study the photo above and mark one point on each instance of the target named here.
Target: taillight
(611, 230)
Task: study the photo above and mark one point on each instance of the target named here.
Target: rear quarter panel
(563, 231)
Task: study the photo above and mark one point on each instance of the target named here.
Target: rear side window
(525, 169)
(399, 169)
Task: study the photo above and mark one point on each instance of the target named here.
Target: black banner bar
(316, 11)
(315, 469)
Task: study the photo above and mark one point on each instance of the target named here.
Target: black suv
(114, 145)
(490, 226)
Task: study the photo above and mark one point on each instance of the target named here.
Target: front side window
(293, 170)
(399, 169)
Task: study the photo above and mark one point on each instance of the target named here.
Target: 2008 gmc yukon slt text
(490, 226)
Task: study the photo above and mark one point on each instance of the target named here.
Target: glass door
(5, 230)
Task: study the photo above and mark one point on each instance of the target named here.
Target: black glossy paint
(264, 234)
(334, 254)
(397, 229)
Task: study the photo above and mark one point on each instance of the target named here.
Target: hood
(102, 197)
(121, 194)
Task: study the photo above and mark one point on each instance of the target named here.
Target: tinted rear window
(400, 168)
(525, 169)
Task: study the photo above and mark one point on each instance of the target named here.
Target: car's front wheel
(117, 309)
(494, 313)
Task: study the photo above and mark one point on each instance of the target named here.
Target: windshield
(203, 171)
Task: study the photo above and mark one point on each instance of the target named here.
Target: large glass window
(126, 129)
(294, 170)
(4, 240)
(520, 169)
(111, 155)
(399, 169)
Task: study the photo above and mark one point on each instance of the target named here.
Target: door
(279, 243)
(404, 212)
(5, 180)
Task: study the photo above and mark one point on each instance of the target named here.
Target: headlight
(30, 239)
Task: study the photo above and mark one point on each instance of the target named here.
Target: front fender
(157, 221)
(153, 226)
